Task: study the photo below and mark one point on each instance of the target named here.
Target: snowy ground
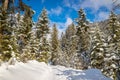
(34, 70)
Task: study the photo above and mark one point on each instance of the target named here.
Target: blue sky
(64, 12)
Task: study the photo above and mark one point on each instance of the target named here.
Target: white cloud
(66, 3)
(57, 11)
(42, 1)
(93, 4)
(96, 4)
(116, 2)
(74, 4)
(61, 26)
(68, 21)
(102, 16)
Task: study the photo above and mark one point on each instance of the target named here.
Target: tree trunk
(5, 4)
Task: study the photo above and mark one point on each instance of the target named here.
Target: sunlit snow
(34, 70)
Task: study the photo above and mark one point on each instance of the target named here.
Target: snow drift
(34, 70)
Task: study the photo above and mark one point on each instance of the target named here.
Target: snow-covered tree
(44, 54)
(24, 28)
(97, 53)
(42, 30)
(68, 46)
(112, 55)
(33, 45)
(63, 45)
(71, 44)
(42, 24)
(7, 38)
(83, 37)
(55, 46)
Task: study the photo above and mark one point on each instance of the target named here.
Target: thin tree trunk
(6, 4)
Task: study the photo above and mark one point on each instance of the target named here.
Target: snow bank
(34, 70)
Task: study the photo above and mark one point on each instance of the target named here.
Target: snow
(29, 71)
(34, 70)
(63, 73)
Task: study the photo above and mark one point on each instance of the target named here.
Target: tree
(42, 24)
(7, 38)
(44, 55)
(112, 55)
(83, 37)
(32, 48)
(24, 26)
(97, 53)
(55, 45)
(13, 29)
(68, 45)
(42, 29)
(63, 44)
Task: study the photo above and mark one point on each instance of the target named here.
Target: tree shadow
(91, 74)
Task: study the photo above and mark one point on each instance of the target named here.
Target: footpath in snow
(34, 70)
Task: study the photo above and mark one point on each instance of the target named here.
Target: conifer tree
(83, 37)
(44, 55)
(112, 55)
(71, 44)
(55, 45)
(97, 53)
(42, 29)
(42, 24)
(32, 46)
(64, 56)
(68, 45)
(7, 38)
(24, 26)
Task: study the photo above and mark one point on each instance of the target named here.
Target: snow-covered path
(34, 70)
(63, 73)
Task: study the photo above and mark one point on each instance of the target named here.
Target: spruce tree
(42, 30)
(97, 53)
(63, 45)
(55, 45)
(42, 24)
(24, 26)
(32, 46)
(7, 38)
(112, 55)
(68, 45)
(71, 44)
(83, 37)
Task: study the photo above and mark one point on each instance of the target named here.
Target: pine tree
(97, 53)
(112, 55)
(68, 45)
(64, 57)
(24, 26)
(74, 59)
(10, 29)
(42, 29)
(71, 44)
(32, 46)
(42, 24)
(44, 55)
(7, 38)
(55, 46)
(83, 37)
